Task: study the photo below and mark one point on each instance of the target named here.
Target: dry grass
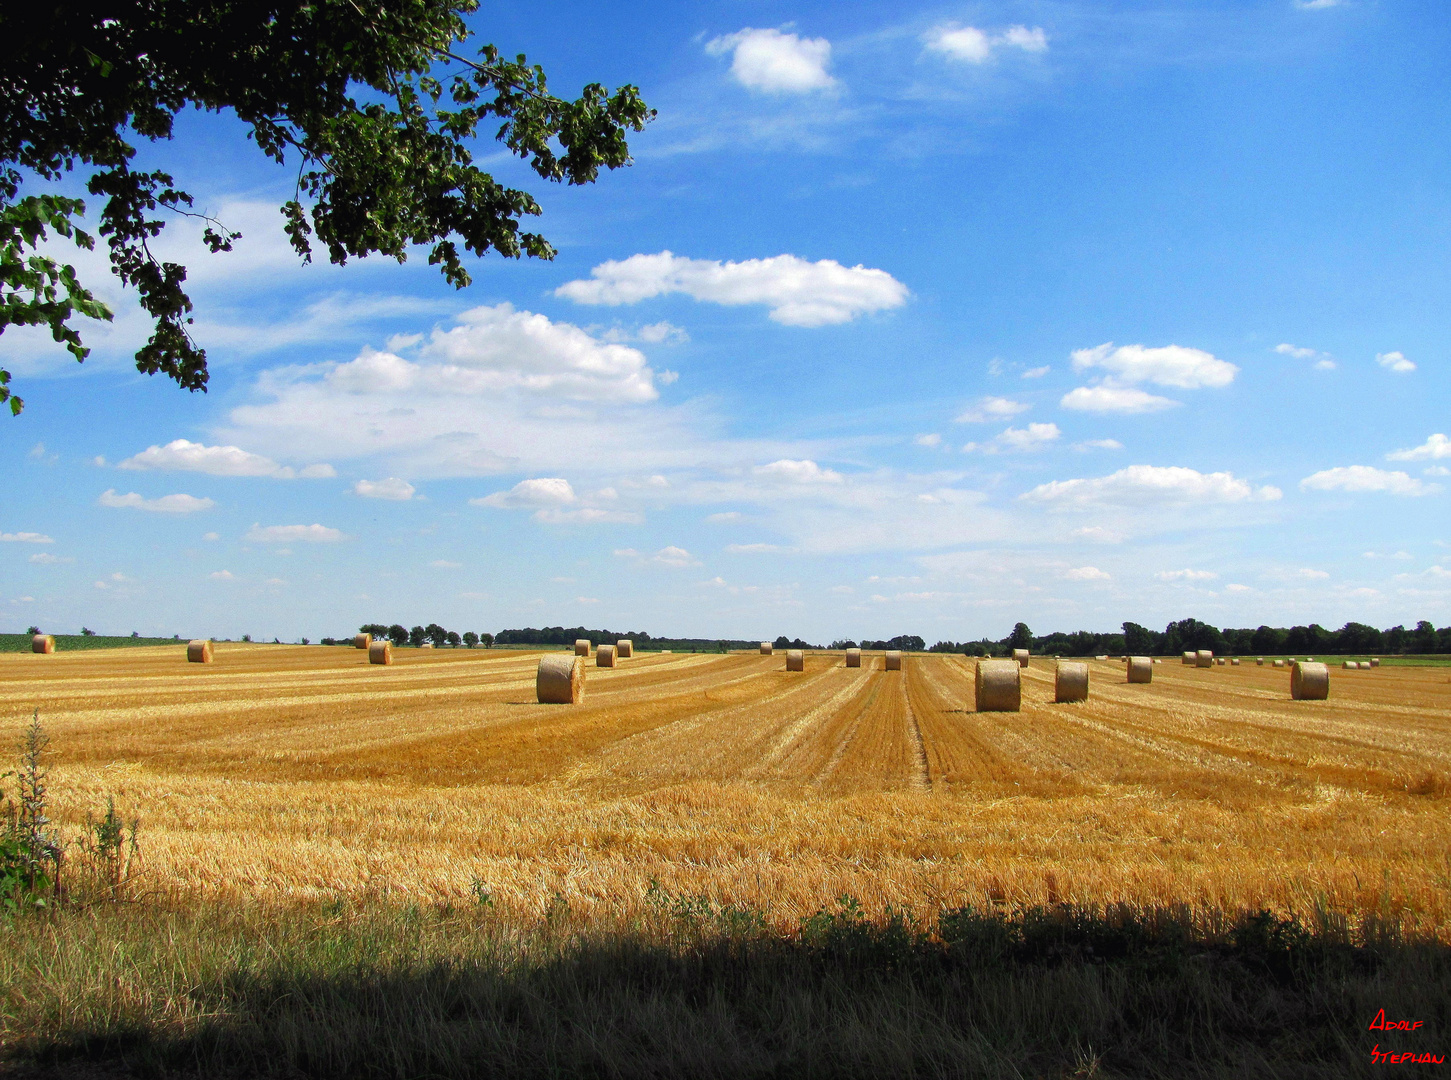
(291, 773)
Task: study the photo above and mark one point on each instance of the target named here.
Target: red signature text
(1380, 1023)
(1385, 1057)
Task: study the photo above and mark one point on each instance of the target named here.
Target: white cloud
(776, 62)
(1036, 373)
(25, 538)
(1436, 470)
(1286, 349)
(724, 517)
(288, 534)
(1032, 437)
(973, 46)
(1324, 363)
(1434, 448)
(1128, 365)
(167, 504)
(1317, 5)
(1149, 485)
(1364, 478)
(546, 491)
(675, 556)
(548, 497)
(1395, 361)
(1235, 587)
(392, 488)
(1169, 365)
(220, 575)
(797, 472)
(1114, 399)
(626, 553)
(1022, 37)
(181, 455)
(444, 564)
(663, 333)
(1311, 575)
(928, 440)
(799, 293)
(1186, 575)
(1099, 535)
(45, 558)
(497, 348)
(1098, 444)
(753, 549)
(211, 536)
(992, 408)
(1085, 573)
(588, 515)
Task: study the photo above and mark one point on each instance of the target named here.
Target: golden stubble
(291, 772)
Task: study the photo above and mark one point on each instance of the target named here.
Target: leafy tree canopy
(374, 102)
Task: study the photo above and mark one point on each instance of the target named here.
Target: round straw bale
(362, 641)
(1021, 656)
(1234, 662)
(1348, 664)
(1204, 658)
(605, 656)
(1375, 661)
(766, 648)
(1070, 681)
(560, 680)
(380, 652)
(999, 685)
(795, 660)
(1157, 660)
(581, 646)
(1141, 669)
(1220, 661)
(199, 651)
(1259, 661)
(1103, 657)
(426, 645)
(42, 643)
(894, 660)
(1309, 681)
(853, 658)
(1279, 663)
(625, 648)
(1191, 659)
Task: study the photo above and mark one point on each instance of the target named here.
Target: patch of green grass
(71, 642)
(691, 989)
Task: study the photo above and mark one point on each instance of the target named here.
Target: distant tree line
(568, 635)
(905, 642)
(1353, 639)
(433, 634)
(1187, 634)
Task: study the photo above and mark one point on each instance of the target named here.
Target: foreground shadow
(707, 992)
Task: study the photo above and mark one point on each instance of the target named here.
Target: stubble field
(305, 773)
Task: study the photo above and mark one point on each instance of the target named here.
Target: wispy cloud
(166, 504)
(1366, 478)
(182, 455)
(291, 534)
(798, 293)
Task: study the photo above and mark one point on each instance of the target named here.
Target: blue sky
(902, 321)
